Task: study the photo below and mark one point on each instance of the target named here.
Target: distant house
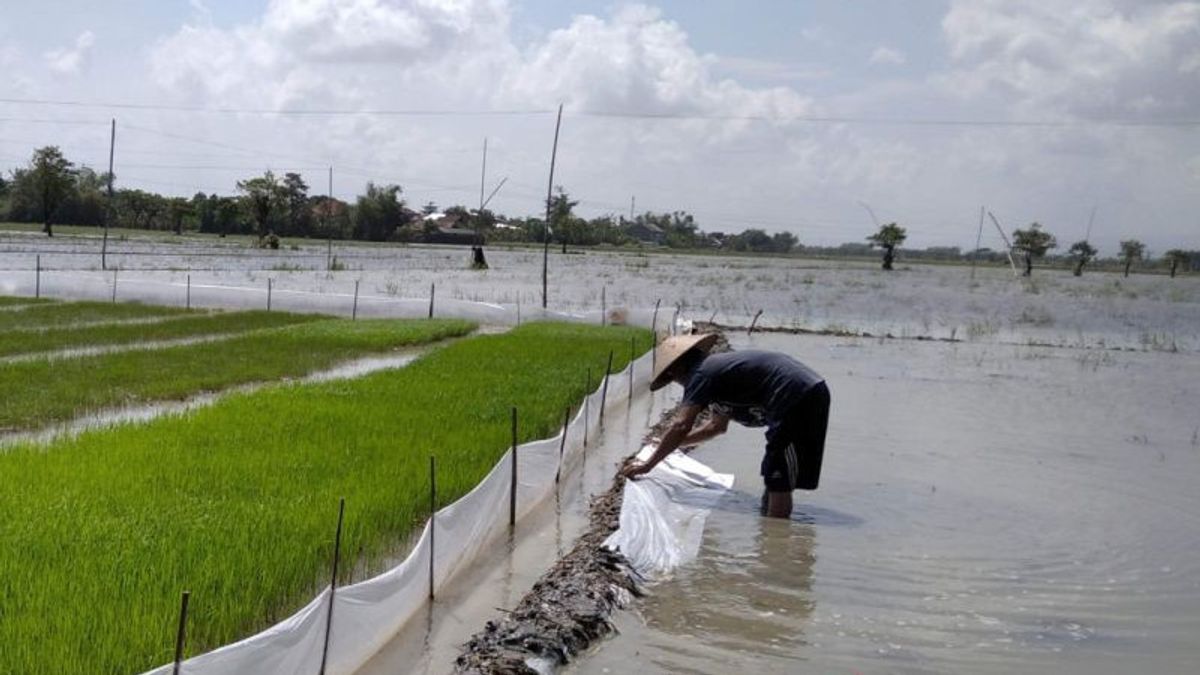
(647, 233)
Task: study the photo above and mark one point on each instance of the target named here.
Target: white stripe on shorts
(792, 465)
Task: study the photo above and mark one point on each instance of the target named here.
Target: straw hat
(671, 350)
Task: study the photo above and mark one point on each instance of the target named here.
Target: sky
(815, 118)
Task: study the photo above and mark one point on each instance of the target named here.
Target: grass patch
(35, 393)
(26, 341)
(71, 313)
(237, 502)
(9, 301)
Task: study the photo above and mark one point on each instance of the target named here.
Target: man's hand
(634, 468)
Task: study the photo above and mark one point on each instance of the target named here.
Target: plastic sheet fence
(366, 615)
(662, 515)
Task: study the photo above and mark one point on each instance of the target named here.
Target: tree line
(1030, 244)
(51, 190)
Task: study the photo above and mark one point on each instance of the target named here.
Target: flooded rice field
(982, 509)
(1098, 309)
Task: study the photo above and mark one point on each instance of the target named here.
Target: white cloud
(1092, 58)
(72, 60)
(1024, 61)
(636, 61)
(886, 56)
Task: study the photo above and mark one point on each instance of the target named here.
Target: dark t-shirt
(750, 387)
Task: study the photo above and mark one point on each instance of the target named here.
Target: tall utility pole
(483, 174)
(632, 202)
(112, 144)
(549, 189)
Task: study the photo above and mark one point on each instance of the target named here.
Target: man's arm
(714, 426)
(676, 433)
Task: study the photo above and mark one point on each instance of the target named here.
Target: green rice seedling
(74, 313)
(9, 301)
(237, 502)
(27, 341)
(39, 392)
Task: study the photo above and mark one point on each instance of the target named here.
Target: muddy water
(982, 509)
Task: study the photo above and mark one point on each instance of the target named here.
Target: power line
(619, 114)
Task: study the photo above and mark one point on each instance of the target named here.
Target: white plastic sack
(663, 513)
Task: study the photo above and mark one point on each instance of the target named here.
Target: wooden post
(187, 304)
(269, 293)
(432, 522)
(337, 551)
(115, 270)
(603, 304)
(632, 357)
(329, 249)
(753, 321)
(512, 494)
(37, 283)
(549, 196)
(604, 389)
(654, 320)
(518, 311)
(587, 406)
(432, 288)
(562, 443)
(354, 310)
(181, 634)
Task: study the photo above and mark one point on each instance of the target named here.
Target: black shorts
(796, 445)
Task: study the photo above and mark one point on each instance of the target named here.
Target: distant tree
(888, 238)
(298, 215)
(227, 212)
(138, 208)
(784, 242)
(1033, 242)
(429, 209)
(332, 217)
(1083, 252)
(262, 197)
(52, 179)
(1131, 250)
(1175, 257)
(562, 220)
(178, 208)
(751, 239)
(379, 212)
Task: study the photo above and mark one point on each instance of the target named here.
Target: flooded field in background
(982, 509)
(1146, 312)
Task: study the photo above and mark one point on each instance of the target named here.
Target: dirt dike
(570, 607)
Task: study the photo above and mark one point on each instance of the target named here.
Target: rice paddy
(11, 301)
(52, 314)
(237, 502)
(37, 340)
(40, 392)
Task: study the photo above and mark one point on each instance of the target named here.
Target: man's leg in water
(779, 504)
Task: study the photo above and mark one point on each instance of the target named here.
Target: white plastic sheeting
(663, 513)
(369, 613)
